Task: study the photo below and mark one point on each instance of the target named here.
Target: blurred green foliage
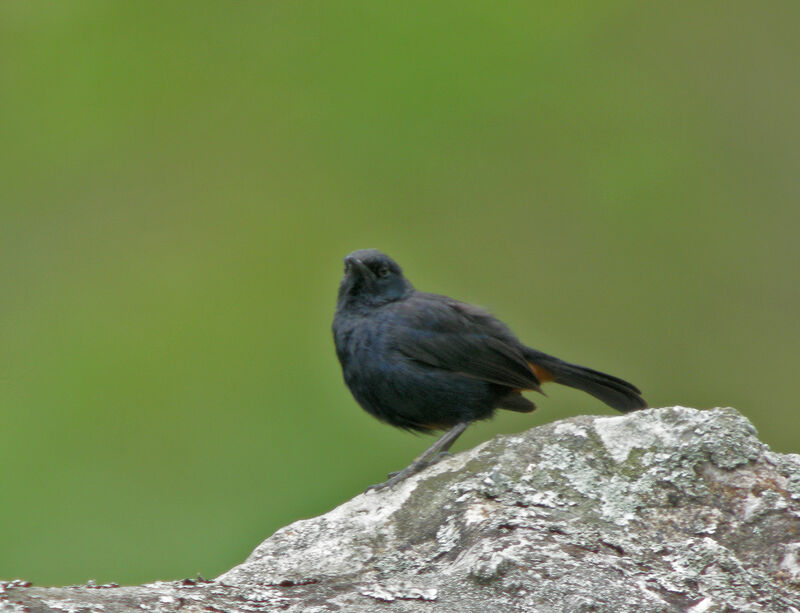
(179, 182)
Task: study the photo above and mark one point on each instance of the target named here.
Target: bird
(425, 362)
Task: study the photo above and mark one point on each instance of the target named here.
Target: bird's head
(371, 278)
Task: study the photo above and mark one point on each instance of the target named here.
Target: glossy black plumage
(423, 361)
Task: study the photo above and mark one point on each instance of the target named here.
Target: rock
(660, 510)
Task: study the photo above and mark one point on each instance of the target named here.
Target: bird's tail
(615, 392)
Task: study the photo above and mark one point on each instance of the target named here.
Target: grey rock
(662, 510)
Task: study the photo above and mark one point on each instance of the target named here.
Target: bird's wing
(454, 336)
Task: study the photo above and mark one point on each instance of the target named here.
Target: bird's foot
(412, 469)
(397, 477)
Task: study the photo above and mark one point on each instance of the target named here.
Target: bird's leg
(431, 455)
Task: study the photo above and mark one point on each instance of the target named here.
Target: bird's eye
(383, 271)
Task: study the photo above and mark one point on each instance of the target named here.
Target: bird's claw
(412, 469)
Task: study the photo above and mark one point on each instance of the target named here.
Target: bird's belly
(409, 395)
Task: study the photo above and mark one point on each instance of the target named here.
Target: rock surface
(662, 510)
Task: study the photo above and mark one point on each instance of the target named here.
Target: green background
(179, 182)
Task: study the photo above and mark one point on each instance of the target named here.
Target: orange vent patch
(541, 373)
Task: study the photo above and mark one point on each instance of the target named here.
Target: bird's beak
(357, 267)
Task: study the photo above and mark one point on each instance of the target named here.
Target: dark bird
(427, 362)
